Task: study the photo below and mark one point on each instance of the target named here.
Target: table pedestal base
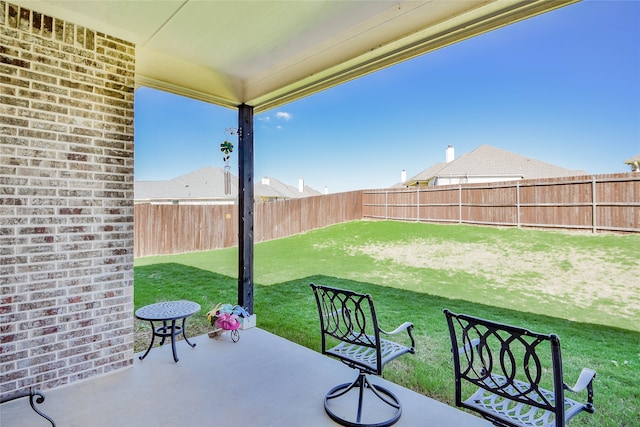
(165, 331)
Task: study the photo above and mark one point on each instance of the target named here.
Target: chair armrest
(406, 326)
(584, 381)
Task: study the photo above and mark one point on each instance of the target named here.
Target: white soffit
(268, 53)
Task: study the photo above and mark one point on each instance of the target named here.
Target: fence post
(518, 203)
(386, 204)
(594, 204)
(417, 203)
(460, 203)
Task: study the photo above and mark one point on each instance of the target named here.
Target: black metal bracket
(35, 396)
(235, 131)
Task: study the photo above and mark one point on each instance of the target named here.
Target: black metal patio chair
(35, 396)
(350, 332)
(512, 376)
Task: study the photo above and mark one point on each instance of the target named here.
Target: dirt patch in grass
(587, 279)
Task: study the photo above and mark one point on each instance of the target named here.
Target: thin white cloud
(264, 118)
(283, 115)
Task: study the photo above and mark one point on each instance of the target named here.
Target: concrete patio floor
(262, 380)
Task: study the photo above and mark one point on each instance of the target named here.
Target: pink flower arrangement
(227, 316)
(228, 322)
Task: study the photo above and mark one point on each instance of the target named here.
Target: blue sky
(563, 87)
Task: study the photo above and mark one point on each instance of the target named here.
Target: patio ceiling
(268, 53)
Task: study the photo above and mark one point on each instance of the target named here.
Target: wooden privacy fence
(598, 202)
(171, 229)
(594, 203)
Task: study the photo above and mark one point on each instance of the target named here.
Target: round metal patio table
(168, 312)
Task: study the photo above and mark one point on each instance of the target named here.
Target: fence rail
(596, 203)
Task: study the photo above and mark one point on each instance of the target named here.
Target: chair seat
(365, 357)
(523, 414)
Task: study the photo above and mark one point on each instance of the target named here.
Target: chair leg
(362, 385)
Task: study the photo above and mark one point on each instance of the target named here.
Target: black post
(245, 207)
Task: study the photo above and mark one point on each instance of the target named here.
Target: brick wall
(66, 201)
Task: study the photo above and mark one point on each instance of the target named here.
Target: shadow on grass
(289, 310)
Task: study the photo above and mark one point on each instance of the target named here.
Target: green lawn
(583, 287)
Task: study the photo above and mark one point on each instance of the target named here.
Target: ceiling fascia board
(478, 21)
(177, 89)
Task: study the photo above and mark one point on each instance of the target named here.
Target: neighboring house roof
(491, 163)
(423, 176)
(270, 188)
(634, 162)
(208, 183)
